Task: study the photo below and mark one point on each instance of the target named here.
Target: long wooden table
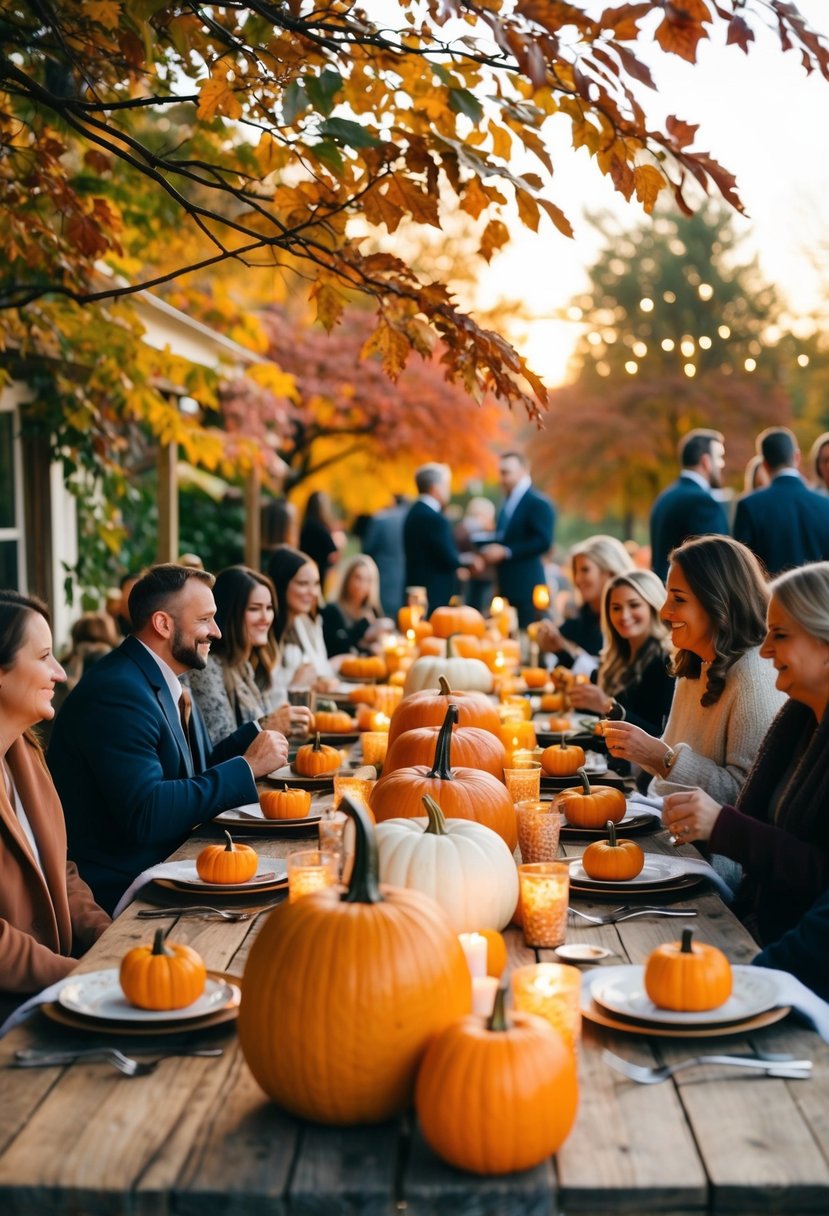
(199, 1137)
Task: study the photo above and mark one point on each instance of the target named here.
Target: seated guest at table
(239, 682)
(131, 759)
(778, 828)
(802, 950)
(354, 620)
(304, 659)
(577, 642)
(725, 697)
(817, 465)
(633, 681)
(48, 916)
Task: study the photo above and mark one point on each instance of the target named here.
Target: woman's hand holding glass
(690, 815)
(549, 638)
(627, 742)
(589, 697)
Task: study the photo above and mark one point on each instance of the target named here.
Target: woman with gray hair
(779, 827)
(578, 641)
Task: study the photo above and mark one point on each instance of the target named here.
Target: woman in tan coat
(47, 914)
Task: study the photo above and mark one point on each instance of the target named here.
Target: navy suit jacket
(786, 524)
(130, 790)
(528, 535)
(681, 511)
(431, 554)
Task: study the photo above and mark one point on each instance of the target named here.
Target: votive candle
(375, 746)
(484, 988)
(539, 829)
(553, 992)
(523, 781)
(474, 946)
(310, 870)
(545, 891)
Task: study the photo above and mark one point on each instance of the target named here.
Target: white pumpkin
(461, 674)
(463, 866)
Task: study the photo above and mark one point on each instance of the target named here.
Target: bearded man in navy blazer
(786, 524)
(524, 530)
(132, 783)
(688, 508)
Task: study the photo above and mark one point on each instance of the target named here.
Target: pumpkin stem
(364, 884)
(443, 766)
(229, 847)
(686, 947)
(437, 822)
(611, 833)
(159, 946)
(562, 740)
(585, 782)
(445, 687)
(498, 1020)
(316, 744)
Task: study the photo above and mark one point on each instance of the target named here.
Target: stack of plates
(272, 875)
(94, 1002)
(631, 825)
(616, 997)
(658, 876)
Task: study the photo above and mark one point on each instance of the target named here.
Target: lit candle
(310, 870)
(553, 991)
(497, 605)
(545, 892)
(380, 722)
(523, 781)
(539, 828)
(541, 597)
(360, 787)
(375, 746)
(474, 946)
(484, 988)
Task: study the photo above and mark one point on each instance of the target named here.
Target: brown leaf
(493, 238)
(86, 236)
(527, 209)
(624, 21)
(557, 216)
(330, 303)
(679, 37)
(740, 33)
(422, 207)
(379, 209)
(474, 200)
(681, 132)
(391, 345)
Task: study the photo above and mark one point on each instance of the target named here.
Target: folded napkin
(183, 871)
(808, 1004)
(696, 865)
(251, 810)
(645, 804)
(20, 1014)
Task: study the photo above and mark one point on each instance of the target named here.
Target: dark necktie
(185, 708)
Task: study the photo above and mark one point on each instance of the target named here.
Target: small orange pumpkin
(535, 677)
(553, 702)
(688, 976)
(562, 759)
(460, 619)
(560, 723)
(334, 722)
(363, 667)
(613, 860)
(496, 952)
(285, 803)
(314, 759)
(590, 806)
(163, 975)
(226, 863)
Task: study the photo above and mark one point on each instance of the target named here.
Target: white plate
(655, 871)
(275, 867)
(582, 952)
(622, 990)
(98, 995)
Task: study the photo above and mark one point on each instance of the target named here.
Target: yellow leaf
(474, 200)
(217, 97)
(494, 236)
(104, 12)
(272, 377)
(648, 181)
(392, 347)
(501, 141)
(527, 209)
(270, 155)
(422, 207)
(330, 303)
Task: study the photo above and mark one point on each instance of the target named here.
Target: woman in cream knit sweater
(725, 696)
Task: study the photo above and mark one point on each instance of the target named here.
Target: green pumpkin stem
(230, 846)
(611, 833)
(498, 1020)
(364, 884)
(443, 763)
(686, 947)
(437, 822)
(585, 782)
(159, 945)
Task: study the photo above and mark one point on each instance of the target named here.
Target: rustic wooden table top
(199, 1136)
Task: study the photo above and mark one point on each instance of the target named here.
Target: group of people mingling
(713, 683)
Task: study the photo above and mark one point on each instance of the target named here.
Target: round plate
(633, 825)
(592, 1013)
(676, 887)
(582, 952)
(621, 990)
(604, 777)
(56, 1013)
(655, 872)
(97, 995)
(263, 826)
(286, 775)
(271, 873)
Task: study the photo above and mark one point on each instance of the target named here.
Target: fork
(111, 1055)
(776, 1067)
(628, 911)
(202, 910)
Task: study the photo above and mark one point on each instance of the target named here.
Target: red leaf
(682, 133)
(740, 33)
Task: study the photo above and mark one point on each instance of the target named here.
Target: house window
(12, 555)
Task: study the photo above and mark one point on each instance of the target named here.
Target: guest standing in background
(688, 507)
(319, 536)
(525, 528)
(383, 542)
(432, 558)
(354, 620)
(475, 529)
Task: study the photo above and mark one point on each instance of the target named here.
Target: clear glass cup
(539, 829)
(332, 826)
(545, 894)
(304, 695)
(360, 787)
(310, 870)
(553, 992)
(524, 781)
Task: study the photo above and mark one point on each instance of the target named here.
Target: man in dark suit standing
(432, 558)
(688, 508)
(524, 532)
(129, 752)
(786, 524)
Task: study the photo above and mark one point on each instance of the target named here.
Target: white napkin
(251, 810)
(694, 865)
(807, 1003)
(184, 871)
(19, 1014)
(645, 804)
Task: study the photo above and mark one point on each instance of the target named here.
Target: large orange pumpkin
(333, 722)
(460, 619)
(471, 748)
(590, 806)
(342, 991)
(428, 708)
(462, 793)
(497, 1096)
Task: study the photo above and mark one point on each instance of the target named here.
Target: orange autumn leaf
(648, 182)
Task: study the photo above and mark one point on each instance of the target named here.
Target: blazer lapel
(150, 670)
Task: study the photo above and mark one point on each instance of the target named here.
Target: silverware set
(127, 1065)
(628, 912)
(204, 912)
(770, 1065)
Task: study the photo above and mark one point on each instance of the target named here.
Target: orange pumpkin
(324, 1047)
(362, 694)
(518, 1067)
(535, 677)
(285, 803)
(562, 759)
(688, 976)
(163, 975)
(496, 952)
(460, 619)
(553, 702)
(613, 860)
(462, 793)
(431, 646)
(363, 667)
(316, 758)
(590, 806)
(428, 708)
(559, 723)
(562, 678)
(226, 863)
(471, 747)
(333, 722)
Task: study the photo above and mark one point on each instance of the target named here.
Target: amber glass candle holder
(523, 781)
(310, 870)
(359, 787)
(539, 829)
(553, 992)
(375, 746)
(545, 892)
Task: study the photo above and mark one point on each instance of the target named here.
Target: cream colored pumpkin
(463, 866)
(461, 673)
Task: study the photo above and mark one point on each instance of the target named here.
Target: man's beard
(188, 655)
